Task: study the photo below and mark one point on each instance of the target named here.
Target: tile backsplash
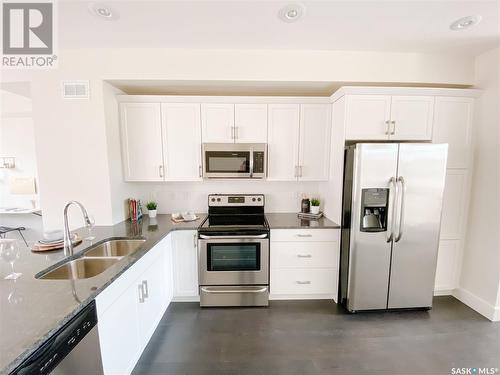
(281, 196)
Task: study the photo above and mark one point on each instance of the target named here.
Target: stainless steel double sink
(95, 260)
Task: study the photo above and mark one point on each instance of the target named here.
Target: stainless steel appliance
(233, 252)
(390, 224)
(73, 350)
(234, 160)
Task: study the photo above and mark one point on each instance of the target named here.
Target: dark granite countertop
(33, 309)
(291, 221)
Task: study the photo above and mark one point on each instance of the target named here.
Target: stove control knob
(259, 199)
(218, 199)
(253, 199)
(213, 199)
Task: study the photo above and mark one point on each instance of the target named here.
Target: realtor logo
(28, 35)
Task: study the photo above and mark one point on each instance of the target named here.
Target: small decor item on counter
(54, 243)
(315, 205)
(135, 209)
(305, 205)
(184, 217)
(151, 206)
(310, 216)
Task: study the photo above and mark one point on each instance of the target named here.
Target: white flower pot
(152, 213)
(315, 209)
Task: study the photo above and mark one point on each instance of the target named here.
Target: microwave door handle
(251, 162)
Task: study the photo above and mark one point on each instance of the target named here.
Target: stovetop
(235, 214)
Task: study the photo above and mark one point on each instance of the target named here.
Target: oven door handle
(222, 291)
(205, 237)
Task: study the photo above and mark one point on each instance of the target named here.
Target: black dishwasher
(72, 350)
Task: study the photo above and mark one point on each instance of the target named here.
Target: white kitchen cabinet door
(185, 263)
(118, 334)
(454, 203)
(154, 302)
(367, 117)
(283, 142)
(141, 138)
(181, 141)
(217, 122)
(447, 263)
(250, 123)
(411, 118)
(314, 143)
(452, 125)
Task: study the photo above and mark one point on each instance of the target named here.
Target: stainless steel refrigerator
(391, 220)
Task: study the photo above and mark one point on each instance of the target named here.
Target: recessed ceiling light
(103, 11)
(292, 12)
(465, 22)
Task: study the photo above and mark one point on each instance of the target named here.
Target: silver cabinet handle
(388, 127)
(195, 241)
(304, 256)
(304, 235)
(141, 293)
(232, 132)
(160, 170)
(390, 209)
(401, 180)
(300, 170)
(200, 171)
(393, 127)
(305, 282)
(145, 288)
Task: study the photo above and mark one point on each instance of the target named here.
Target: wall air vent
(75, 89)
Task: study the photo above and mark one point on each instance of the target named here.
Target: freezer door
(370, 253)
(421, 176)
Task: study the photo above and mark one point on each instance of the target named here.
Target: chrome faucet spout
(68, 244)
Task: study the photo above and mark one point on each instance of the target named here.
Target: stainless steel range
(233, 252)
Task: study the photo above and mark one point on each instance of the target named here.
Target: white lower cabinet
(130, 309)
(304, 263)
(185, 265)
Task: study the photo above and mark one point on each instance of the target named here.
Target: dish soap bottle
(305, 206)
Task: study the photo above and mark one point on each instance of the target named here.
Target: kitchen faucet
(68, 244)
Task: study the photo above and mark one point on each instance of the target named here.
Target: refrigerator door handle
(401, 180)
(390, 209)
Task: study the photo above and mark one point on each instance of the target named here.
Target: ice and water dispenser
(374, 204)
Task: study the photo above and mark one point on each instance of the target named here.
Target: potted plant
(315, 205)
(151, 206)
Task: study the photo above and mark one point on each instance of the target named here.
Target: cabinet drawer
(303, 254)
(303, 281)
(304, 235)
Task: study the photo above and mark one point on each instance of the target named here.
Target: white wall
(77, 153)
(480, 276)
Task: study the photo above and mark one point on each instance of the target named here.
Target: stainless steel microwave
(234, 160)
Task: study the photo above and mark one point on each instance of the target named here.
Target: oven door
(227, 260)
(227, 163)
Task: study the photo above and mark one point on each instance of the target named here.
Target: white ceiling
(399, 26)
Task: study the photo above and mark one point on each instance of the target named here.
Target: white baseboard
(443, 292)
(480, 305)
(301, 296)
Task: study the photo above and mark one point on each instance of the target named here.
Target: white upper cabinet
(181, 141)
(141, 137)
(385, 117)
(250, 123)
(314, 144)
(217, 122)
(283, 142)
(411, 117)
(367, 117)
(452, 125)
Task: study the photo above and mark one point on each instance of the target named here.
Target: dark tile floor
(317, 337)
